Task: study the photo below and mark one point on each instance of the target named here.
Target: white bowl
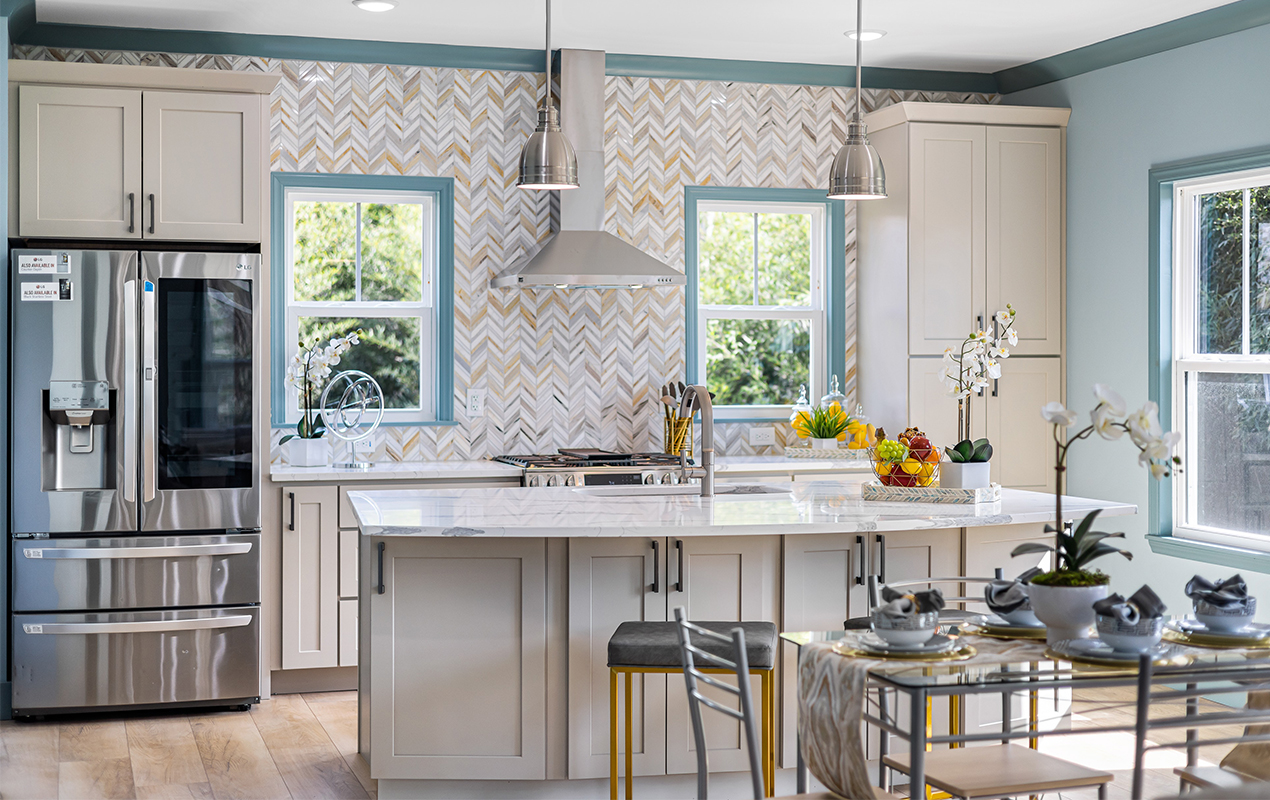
(1021, 616)
(911, 631)
(1226, 620)
(1124, 638)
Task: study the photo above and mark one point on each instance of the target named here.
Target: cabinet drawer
(348, 563)
(348, 633)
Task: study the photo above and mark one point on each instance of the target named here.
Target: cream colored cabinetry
(455, 687)
(310, 578)
(974, 216)
(1008, 413)
(114, 163)
(80, 168)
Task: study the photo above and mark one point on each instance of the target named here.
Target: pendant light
(857, 172)
(547, 160)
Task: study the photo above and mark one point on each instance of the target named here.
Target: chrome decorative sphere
(350, 398)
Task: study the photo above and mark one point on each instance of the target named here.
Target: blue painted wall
(1197, 101)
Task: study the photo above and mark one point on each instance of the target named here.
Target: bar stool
(653, 647)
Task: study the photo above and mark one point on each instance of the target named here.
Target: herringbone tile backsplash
(560, 367)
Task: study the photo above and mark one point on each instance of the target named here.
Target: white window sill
(1239, 558)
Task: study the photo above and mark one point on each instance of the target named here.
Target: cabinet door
(348, 562)
(348, 633)
(1022, 441)
(79, 162)
(611, 582)
(946, 235)
(458, 662)
(823, 585)
(310, 578)
(722, 579)
(931, 409)
(203, 166)
(1024, 225)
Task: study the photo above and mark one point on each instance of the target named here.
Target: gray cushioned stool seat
(656, 644)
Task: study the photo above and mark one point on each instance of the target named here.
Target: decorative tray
(827, 453)
(874, 490)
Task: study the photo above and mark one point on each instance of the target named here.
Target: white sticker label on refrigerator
(47, 292)
(35, 265)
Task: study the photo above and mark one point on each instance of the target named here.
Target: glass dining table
(1008, 668)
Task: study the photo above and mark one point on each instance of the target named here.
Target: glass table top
(1028, 662)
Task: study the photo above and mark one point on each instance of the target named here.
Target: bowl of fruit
(909, 460)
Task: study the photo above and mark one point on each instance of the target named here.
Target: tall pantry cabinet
(973, 220)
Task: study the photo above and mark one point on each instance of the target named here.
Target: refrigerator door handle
(149, 368)
(129, 426)
(176, 551)
(138, 626)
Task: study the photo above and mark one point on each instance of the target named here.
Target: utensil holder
(676, 434)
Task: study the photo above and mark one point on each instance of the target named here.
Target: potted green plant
(824, 424)
(967, 466)
(309, 370)
(1063, 598)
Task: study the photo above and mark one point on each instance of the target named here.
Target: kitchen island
(485, 615)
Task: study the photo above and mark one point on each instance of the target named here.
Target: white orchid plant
(1111, 420)
(309, 371)
(977, 363)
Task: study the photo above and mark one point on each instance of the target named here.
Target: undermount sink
(654, 490)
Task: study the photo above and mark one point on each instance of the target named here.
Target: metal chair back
(875, 587)
(1200, 681)
(739, 665)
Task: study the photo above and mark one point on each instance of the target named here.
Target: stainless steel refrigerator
(134, 480)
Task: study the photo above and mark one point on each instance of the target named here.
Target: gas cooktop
(574, 459)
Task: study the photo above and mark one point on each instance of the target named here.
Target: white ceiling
(972, 35)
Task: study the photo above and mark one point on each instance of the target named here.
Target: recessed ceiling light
(375, 5)
(869, 36)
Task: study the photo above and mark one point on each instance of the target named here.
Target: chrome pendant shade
(547, 160)
(857, 172)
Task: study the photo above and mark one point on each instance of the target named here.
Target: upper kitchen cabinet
(80, 170)
(118, 152)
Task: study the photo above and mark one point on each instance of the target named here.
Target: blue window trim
(1161, 183)
(835, 278)
(443, 190)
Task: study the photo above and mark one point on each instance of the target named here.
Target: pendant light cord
(546, 95)
(859, 47)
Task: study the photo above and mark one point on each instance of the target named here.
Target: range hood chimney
(583, 254)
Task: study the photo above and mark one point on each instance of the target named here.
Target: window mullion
(357, 257)
(1247, 330)
(756, 258)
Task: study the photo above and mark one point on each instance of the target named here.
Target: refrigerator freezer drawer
(135, 572)
(70, 661)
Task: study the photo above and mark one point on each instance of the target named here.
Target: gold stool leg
(954, 718)
(630, 790)
(769, 730)
(612, 734)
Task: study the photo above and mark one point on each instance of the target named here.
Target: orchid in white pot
(1063, 597)
(309, 370)
(973, 366)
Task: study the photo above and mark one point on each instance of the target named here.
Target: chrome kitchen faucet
(698, 397)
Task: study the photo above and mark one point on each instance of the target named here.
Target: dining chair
(1246, 769)
(696, 659)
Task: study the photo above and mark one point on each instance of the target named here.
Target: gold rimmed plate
(1189, 632)
(960, 651)
(994, 627)
(1100, 654)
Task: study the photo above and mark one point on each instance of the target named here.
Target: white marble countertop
(828, 506)
(450, 470)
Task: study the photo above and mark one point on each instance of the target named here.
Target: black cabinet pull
(291, 524)
(881, 540)
(380, 587)
(679, 575)
(132, 211)
(152, 213)
(859, 543)
(656, 568)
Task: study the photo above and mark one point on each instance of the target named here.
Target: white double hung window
(1221, 358)
(761, 308)
(365, 260)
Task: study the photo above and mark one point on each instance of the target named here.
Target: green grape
(891, 450)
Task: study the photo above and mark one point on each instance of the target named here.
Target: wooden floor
(288, 746)
(305, 746)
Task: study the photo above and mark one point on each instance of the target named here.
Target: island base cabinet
(455, 677)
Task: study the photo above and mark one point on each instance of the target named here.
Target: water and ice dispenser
(79, 436)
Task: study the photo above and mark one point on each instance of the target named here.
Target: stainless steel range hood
(582, 254)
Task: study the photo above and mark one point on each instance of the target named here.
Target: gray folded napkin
(1231, 593)
(1004, 596)
(897, 605)
(1142, 604)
